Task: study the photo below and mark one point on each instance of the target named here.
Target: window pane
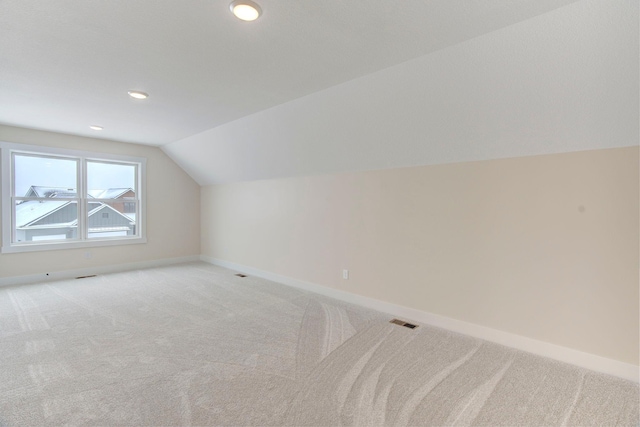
(53, 177)
(45, 220)
(59, 198)
(111, 181)
(111, 220)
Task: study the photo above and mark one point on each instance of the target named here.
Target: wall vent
(403, 323)
(241, 275)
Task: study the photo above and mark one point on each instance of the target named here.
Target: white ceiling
(67, 64)
(567, 80)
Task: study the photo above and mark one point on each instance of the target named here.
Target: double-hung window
(57, 199)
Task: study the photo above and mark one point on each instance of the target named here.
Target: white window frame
(7, 151)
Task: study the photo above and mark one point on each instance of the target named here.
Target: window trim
(6, 174)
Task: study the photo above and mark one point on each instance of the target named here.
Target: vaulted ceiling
(323, 86)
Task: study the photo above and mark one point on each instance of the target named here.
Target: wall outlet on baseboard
(345, 274)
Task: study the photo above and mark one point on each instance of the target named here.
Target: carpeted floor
(195, 345)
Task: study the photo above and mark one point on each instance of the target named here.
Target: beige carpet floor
(195, 345)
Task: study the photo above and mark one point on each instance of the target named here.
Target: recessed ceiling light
(96, 127)
(138, 95)
(245, 10)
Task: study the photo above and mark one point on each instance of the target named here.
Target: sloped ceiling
(325, 86)
(559, 82)
(68, 64)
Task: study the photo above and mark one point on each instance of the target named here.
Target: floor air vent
(241, 275)
(403, 323)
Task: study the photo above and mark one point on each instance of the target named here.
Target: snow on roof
(109, 193)
(52, 192)
(105, 206)
(107, 229)
(32, 210)
(29, 211)
(39, 191)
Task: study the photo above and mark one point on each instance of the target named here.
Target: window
(129, 207)
(59, 199)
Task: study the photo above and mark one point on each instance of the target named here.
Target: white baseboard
(87, 271)
(519, 342)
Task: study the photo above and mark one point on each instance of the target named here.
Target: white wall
(500, 243)
(545, 247)
(173, 211)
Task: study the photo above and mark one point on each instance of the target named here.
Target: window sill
(53, 246)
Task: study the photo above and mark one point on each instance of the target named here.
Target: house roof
(101, 207)
(104, 206)
(33, 210)
(53, 192)
(40, 191)
(110, 193)
(109, 208)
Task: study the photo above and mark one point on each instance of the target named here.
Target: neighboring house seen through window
(54, 198)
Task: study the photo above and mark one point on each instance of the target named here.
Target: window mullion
(12, 190)
(13, 218)
(82, 208)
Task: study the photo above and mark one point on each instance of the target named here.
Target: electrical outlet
(345, 274)
(88, 255)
